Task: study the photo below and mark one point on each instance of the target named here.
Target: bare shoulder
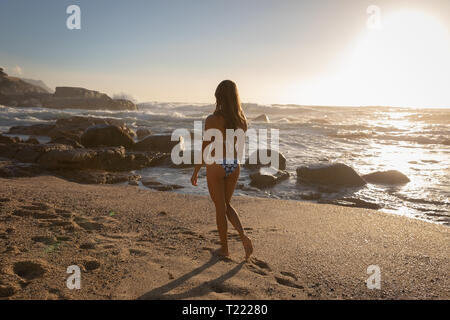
(214, 121)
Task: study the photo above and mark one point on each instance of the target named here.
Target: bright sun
(405, 63)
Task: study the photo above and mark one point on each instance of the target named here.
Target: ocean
(368, 139)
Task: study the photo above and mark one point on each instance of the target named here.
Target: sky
(321, 52)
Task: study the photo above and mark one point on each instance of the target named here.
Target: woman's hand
(194, 178)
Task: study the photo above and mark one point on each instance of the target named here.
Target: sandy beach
(132, 243)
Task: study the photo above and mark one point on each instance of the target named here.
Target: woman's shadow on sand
(215, 285)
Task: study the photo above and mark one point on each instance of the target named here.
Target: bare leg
(233, 216)
(215, 178)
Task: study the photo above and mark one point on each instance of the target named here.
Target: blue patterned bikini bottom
(229, 166)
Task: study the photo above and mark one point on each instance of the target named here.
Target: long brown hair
(229, 106)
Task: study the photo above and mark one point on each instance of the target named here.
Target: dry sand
(132, 243)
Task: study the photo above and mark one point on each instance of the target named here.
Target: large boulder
(29, 153)
(267, 178)
(13, 169)
(8, 139)
(77, 125)
(258, 164)
(143, 133)
(336, 174)
(109, 159)
(158, 143)
(34, 130)
(386, 177)
(106, 135)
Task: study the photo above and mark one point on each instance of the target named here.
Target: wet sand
(132, 243)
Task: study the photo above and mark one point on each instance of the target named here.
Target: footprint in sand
(33, 214)
(289, 274)
(288, 283)
(260, 263)
(8, 290)
(138, 252)
(256, 270)
(91, 265)
(44, 239)
(30, 269)
(88, 245)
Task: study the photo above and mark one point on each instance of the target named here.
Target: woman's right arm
(209, 123)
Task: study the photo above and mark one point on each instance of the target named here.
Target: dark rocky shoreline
(105, 151)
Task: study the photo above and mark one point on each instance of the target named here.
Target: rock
(29, 153)
(67, 141)
(8, 140)
(32, 140)
(12, 88)
(267, 178)
(331, 174)
(77, 125)
(106, 135)
(142, 133)
(152, 184)
(386, 177)
(95, 176)
(159, 143)
(446, 142)
(80, 98)
(353, 203)
(311, 196)
(12, 169)
(34, 130)
(262, 118)
(281, 159)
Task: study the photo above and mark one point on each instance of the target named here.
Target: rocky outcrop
(65, 157)
(17, 92)
(258, 164)
(72, 127)
(386, 177)
(262, 118)
(267, 178)
(8, 139)
(336, 174)
(106, 135)
(80, 98)
(143, 133)
(96, 176)
(157, 143)
(13, 169)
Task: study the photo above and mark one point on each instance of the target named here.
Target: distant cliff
(16, 92)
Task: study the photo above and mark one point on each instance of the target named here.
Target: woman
(223, 175)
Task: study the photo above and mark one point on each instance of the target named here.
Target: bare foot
(248, 246)
(222, 253)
